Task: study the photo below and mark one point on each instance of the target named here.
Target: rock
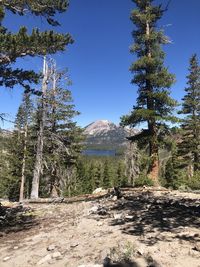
(141, 262)
(102, 211)
(97, 210)
(6, 258)
(140, 251)
(99, 190)
(118, 216)
(194, 253)
(93, 210)
(57, 255)
(58, 199)
(99, 224)
(73, 245)
(151, 262)
(114, 198)
(51, 247)
(44, 260)
(129, 217)
(197, 247)
(97, 235)
(15, 247)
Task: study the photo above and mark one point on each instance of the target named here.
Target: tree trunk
(40, 141)
(153, 147)
(196, 161)
(21, 194)
(190, 171)
(196, 153)
(53, 190)
(132, 169)
(154, 170)
(153, 153)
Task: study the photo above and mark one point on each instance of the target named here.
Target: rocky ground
(144, 228)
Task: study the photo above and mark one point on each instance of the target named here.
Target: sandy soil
(152, 228)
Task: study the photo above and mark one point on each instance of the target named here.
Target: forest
(42, 155)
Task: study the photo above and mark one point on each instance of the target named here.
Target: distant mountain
(105, 134)
(5, 133)
(4, 136)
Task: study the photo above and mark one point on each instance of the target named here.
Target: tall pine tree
(59, 138)
(21, 44)
(21, 151)
(154, 105)
(189, 148)
(63, 135)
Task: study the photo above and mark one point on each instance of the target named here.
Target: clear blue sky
(99, 60)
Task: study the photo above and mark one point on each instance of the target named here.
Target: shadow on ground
(14, 219)
(108, 263)
(130, 263)
(154, 216)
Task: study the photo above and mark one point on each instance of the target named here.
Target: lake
(96, 152)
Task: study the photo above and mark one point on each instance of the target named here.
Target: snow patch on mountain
(99, 127)
(104, 132)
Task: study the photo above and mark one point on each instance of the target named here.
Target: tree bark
(53, 187)
(21, 194)
(196, 135)
(153, 153)
(132, 169)
(153, 147)
(40, 141)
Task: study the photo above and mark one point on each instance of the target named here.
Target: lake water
(95, 152)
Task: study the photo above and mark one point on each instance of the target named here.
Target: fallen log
(87, 197)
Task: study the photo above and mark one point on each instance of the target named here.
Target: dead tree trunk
(40, 139)
(21, 194)
(132, 162)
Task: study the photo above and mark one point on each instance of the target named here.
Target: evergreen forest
(42, 156)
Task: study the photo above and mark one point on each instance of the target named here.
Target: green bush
(194, 182)
(143, 180)
(174, 176)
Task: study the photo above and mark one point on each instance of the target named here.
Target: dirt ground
(151, 228)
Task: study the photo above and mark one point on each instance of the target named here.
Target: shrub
(143, 180)
(122, 252)
(194, 182)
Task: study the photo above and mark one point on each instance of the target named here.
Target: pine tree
(64, 135)
(83, 183)
(108, 174)
(25, 111)
(58, 136)
(20, 150)
(154, 105)
(173, 168)
(38, 167)
(99, 175)
(4, 164)
(92, 176)
(120, 179)
(21, 44)
(189, 148)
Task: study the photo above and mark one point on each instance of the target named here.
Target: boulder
(99, 190)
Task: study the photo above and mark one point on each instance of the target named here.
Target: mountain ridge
(104, 133)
